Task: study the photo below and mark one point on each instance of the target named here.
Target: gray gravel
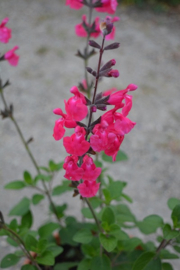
(149, 56)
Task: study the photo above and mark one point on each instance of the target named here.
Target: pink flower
(88, 188)
(76, 144)
(11, 57)
(73, 172)
(91, 173)
(108, 6)
(67, 120)
(81, 32)
(113, 73)
(99, 138)
(123, 125)
(5, 33)
(76, 4)
(113, 145)
(112, 34)
(76, 106)
(58, 129)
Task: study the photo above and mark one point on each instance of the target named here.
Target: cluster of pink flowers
(107, 132)
(108, 6)
(106, 135)
(5, 35)
(83, 29)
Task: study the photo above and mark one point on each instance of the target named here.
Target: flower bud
(106, 26)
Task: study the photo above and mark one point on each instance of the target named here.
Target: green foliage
(150, 224)
(46, 258)
(15, 185)
(176, 216)
(60, 189)
(109, 242)
(143, 261)
(101, 263)
(121, 156)
(37, 198)
(9, 260)
(21, 208)
(47, 229)
(83, 236)
(28, 267)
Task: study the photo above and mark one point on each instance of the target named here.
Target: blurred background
(149, 56)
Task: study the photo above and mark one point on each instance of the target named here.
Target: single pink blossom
(113, 145)
(5, 33)
(108, 6)
(81, 32)
(59, 131)
(73, 172)
(91, 173)
(112, 34)
(67, 120)
(76, 106)
(88, 188)
(76, 4)
(98, 139)
(11, 57)
(76, 144)
(123, 125)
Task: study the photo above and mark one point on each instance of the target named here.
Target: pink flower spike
(76, 4)
(5, 33)
(11, 57)
(108, 6)
(73, 172)
(88, 189)
(91, 173)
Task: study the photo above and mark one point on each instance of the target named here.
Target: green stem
(31, 156)
(94, 215)
(21, 242)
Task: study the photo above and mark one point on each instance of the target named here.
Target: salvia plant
(102, 241)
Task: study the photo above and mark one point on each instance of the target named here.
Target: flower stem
(30, 155)
(94, 215)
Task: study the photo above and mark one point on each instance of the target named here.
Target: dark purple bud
(109, 64)
(106, 26)
(91, 71)
(102, 100)
(112, 46)
(93, 109)
(113, 73)
(101, 107)
(104, 73)
(94, 44)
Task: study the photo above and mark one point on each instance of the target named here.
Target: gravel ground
(149, 56)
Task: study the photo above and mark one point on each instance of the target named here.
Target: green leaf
(21, 208)
(166, 266)
(177, 248)
(108, 242)
(172, 202)
(47, 229)
(28, 267)
(28, 178)
(143, 261)
(84, 264)
(83, 236)
(108, 216)
(165, 254)
(58, 190)
(12, 242)
(9, 260)
(129, 244)
(154, 264)
(107, 195)
(121, 156)
(101, 263)
(27, 220)
(168, 233)
(15, 185)
(43, 177)
(46, 258)
(98, 163)
(31, 243)
(115, 189)
(55, 166)
(150, 224)
(41, 245)
(37, 198)
(86, 213)
(59, 210)
(126, 197)
(56, 250)
(95, 202)
(65, 266)
(176, 216)
(118, 233)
